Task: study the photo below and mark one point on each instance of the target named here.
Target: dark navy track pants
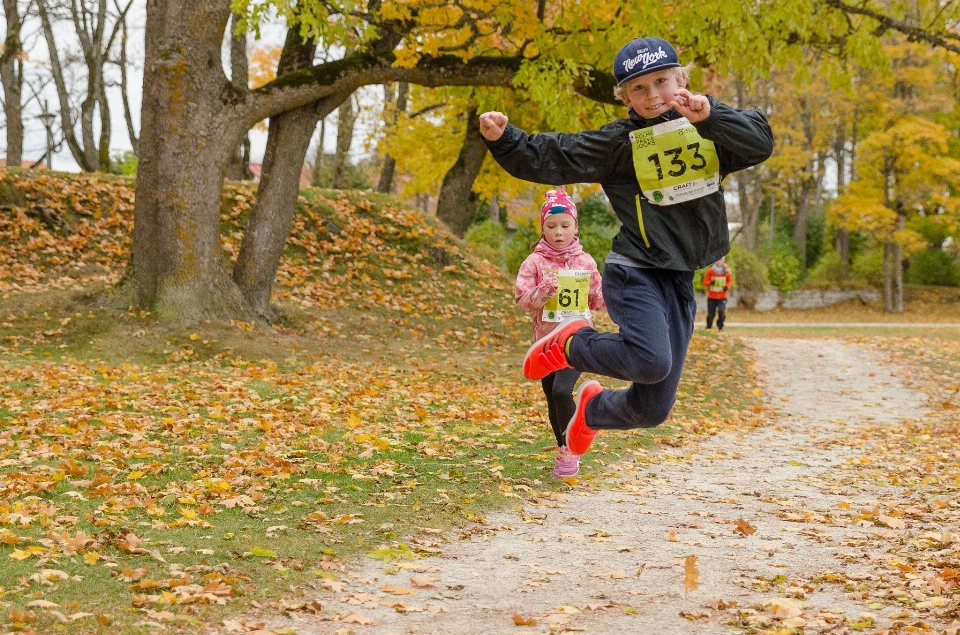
(655, 311)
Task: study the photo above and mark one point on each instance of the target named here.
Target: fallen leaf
(744, 527)
(524, 621)
(422, 581)
(356, 618)
(691, 574)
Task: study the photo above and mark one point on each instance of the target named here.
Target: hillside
(348, 252)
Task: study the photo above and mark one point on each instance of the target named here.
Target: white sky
(37, 66)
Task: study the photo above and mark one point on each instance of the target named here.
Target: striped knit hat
(558, 202)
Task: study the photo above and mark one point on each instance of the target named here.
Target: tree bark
(11, 76)
(898, 265)
(456, 202)
(272, 213)
(237, 167)
(176, 264)
(385, 183)
(842, 242)
(887, 276)
(316, 177)
(345, 123)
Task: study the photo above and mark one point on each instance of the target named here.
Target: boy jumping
(661, 168)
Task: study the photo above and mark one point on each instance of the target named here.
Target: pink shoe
(578, 436)
(547, 353)
(566, 465)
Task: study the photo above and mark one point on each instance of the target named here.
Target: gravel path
(614, 558)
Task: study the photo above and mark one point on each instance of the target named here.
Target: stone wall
(798, 299)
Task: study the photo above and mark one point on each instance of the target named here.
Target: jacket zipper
(643, 232)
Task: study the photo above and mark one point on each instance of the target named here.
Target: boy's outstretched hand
(694, 107)
(492, 125)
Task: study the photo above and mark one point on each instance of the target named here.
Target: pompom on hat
(558, 202)
(643, 55)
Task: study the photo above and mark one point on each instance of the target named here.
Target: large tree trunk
(385, 184)
(270, 218)
(177, 263)
(345, 123)
(12, 80)
(456, 202)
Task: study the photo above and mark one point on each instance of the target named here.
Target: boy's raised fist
(492, 125)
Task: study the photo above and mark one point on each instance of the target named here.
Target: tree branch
(913, 32)
(295, 89)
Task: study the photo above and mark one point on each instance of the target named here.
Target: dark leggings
(718, 307)
(558, 388)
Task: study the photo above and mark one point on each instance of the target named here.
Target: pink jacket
(532, 290)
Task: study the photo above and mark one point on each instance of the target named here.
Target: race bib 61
(572, 298)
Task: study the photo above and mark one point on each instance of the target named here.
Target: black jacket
(684, 236)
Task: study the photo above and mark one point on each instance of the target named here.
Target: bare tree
(392, 116)
(346, 120)
(239, 161)
(123, 63)
(96, 29)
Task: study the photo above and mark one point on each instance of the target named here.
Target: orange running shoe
(578, 436)
(547, 353)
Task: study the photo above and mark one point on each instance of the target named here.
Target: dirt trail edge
(614, 559)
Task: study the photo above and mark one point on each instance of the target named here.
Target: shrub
(867, 267)
(486, 241)
(124, 162)
(594, 211)
(517, 250)
(933, 266)
(830, 270)
(749, 273)
(596, 240)
(784, 270)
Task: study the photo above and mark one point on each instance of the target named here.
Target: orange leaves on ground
(744, 527)
(519, 620)
(691, 574)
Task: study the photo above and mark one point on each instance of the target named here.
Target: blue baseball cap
(643, 55)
